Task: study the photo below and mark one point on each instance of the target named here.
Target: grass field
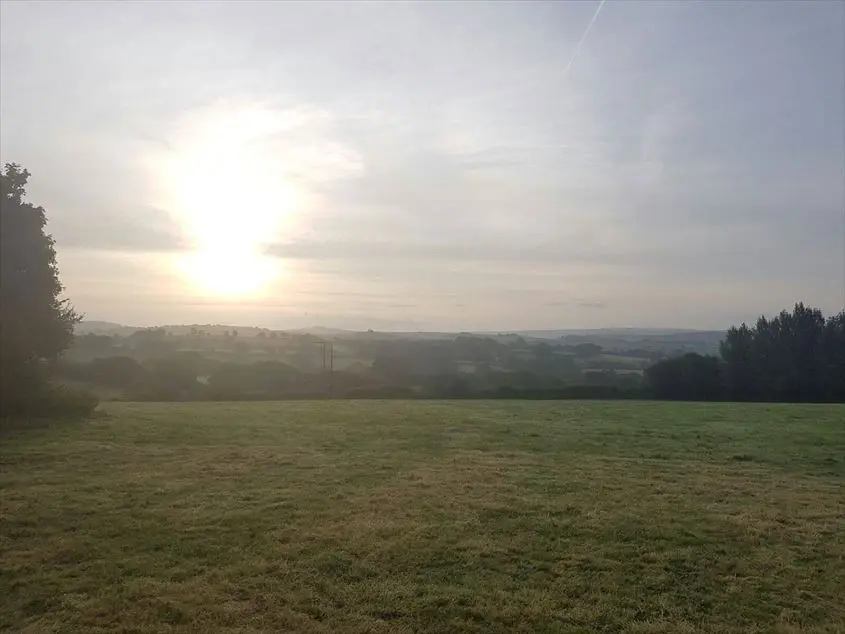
(442, 516)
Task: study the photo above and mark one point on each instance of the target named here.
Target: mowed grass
(420, 516)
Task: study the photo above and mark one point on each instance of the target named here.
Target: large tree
(795, 356)
(36, 324)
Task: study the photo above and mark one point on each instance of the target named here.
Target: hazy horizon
(434, 166)
(89, 322)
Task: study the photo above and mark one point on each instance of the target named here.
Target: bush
(65, 402)
(692, 377)
(53, 401)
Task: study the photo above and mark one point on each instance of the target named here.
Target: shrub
(52, 401)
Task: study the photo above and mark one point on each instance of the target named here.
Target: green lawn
(420, 516)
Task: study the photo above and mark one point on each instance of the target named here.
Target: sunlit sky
(438, 166)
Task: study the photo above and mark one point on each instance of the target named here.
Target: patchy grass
(426, 517)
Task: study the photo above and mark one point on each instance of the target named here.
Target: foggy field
(426, 516)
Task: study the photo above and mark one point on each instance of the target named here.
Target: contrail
(584, 37)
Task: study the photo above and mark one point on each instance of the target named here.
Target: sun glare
(233, 275)
(228, 189)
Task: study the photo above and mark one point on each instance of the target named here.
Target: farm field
(426, 516)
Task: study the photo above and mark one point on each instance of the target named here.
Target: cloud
(145, 230)
(693, 154)
(575, 302)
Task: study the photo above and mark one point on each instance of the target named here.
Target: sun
(229, 192)
(236, 275)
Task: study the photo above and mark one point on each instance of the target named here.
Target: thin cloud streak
(584, 37)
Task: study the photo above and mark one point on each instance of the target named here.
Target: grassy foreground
(426, 517)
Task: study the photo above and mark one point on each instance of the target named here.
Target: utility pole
(331, 369)
(322, 345)
(327, 361)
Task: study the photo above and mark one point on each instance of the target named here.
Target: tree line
(796, 356)
(189, 376)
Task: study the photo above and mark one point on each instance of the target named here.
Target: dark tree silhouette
(833, 358)
(738, 354)
(795, 356)
(35, 324)
(692, 377)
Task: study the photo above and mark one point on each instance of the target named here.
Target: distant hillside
(104, 328)
(607, 332)
(110, 328)
(704, 341)
(212, 329)
(663, 339)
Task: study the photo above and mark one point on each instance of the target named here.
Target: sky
(434, 166)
